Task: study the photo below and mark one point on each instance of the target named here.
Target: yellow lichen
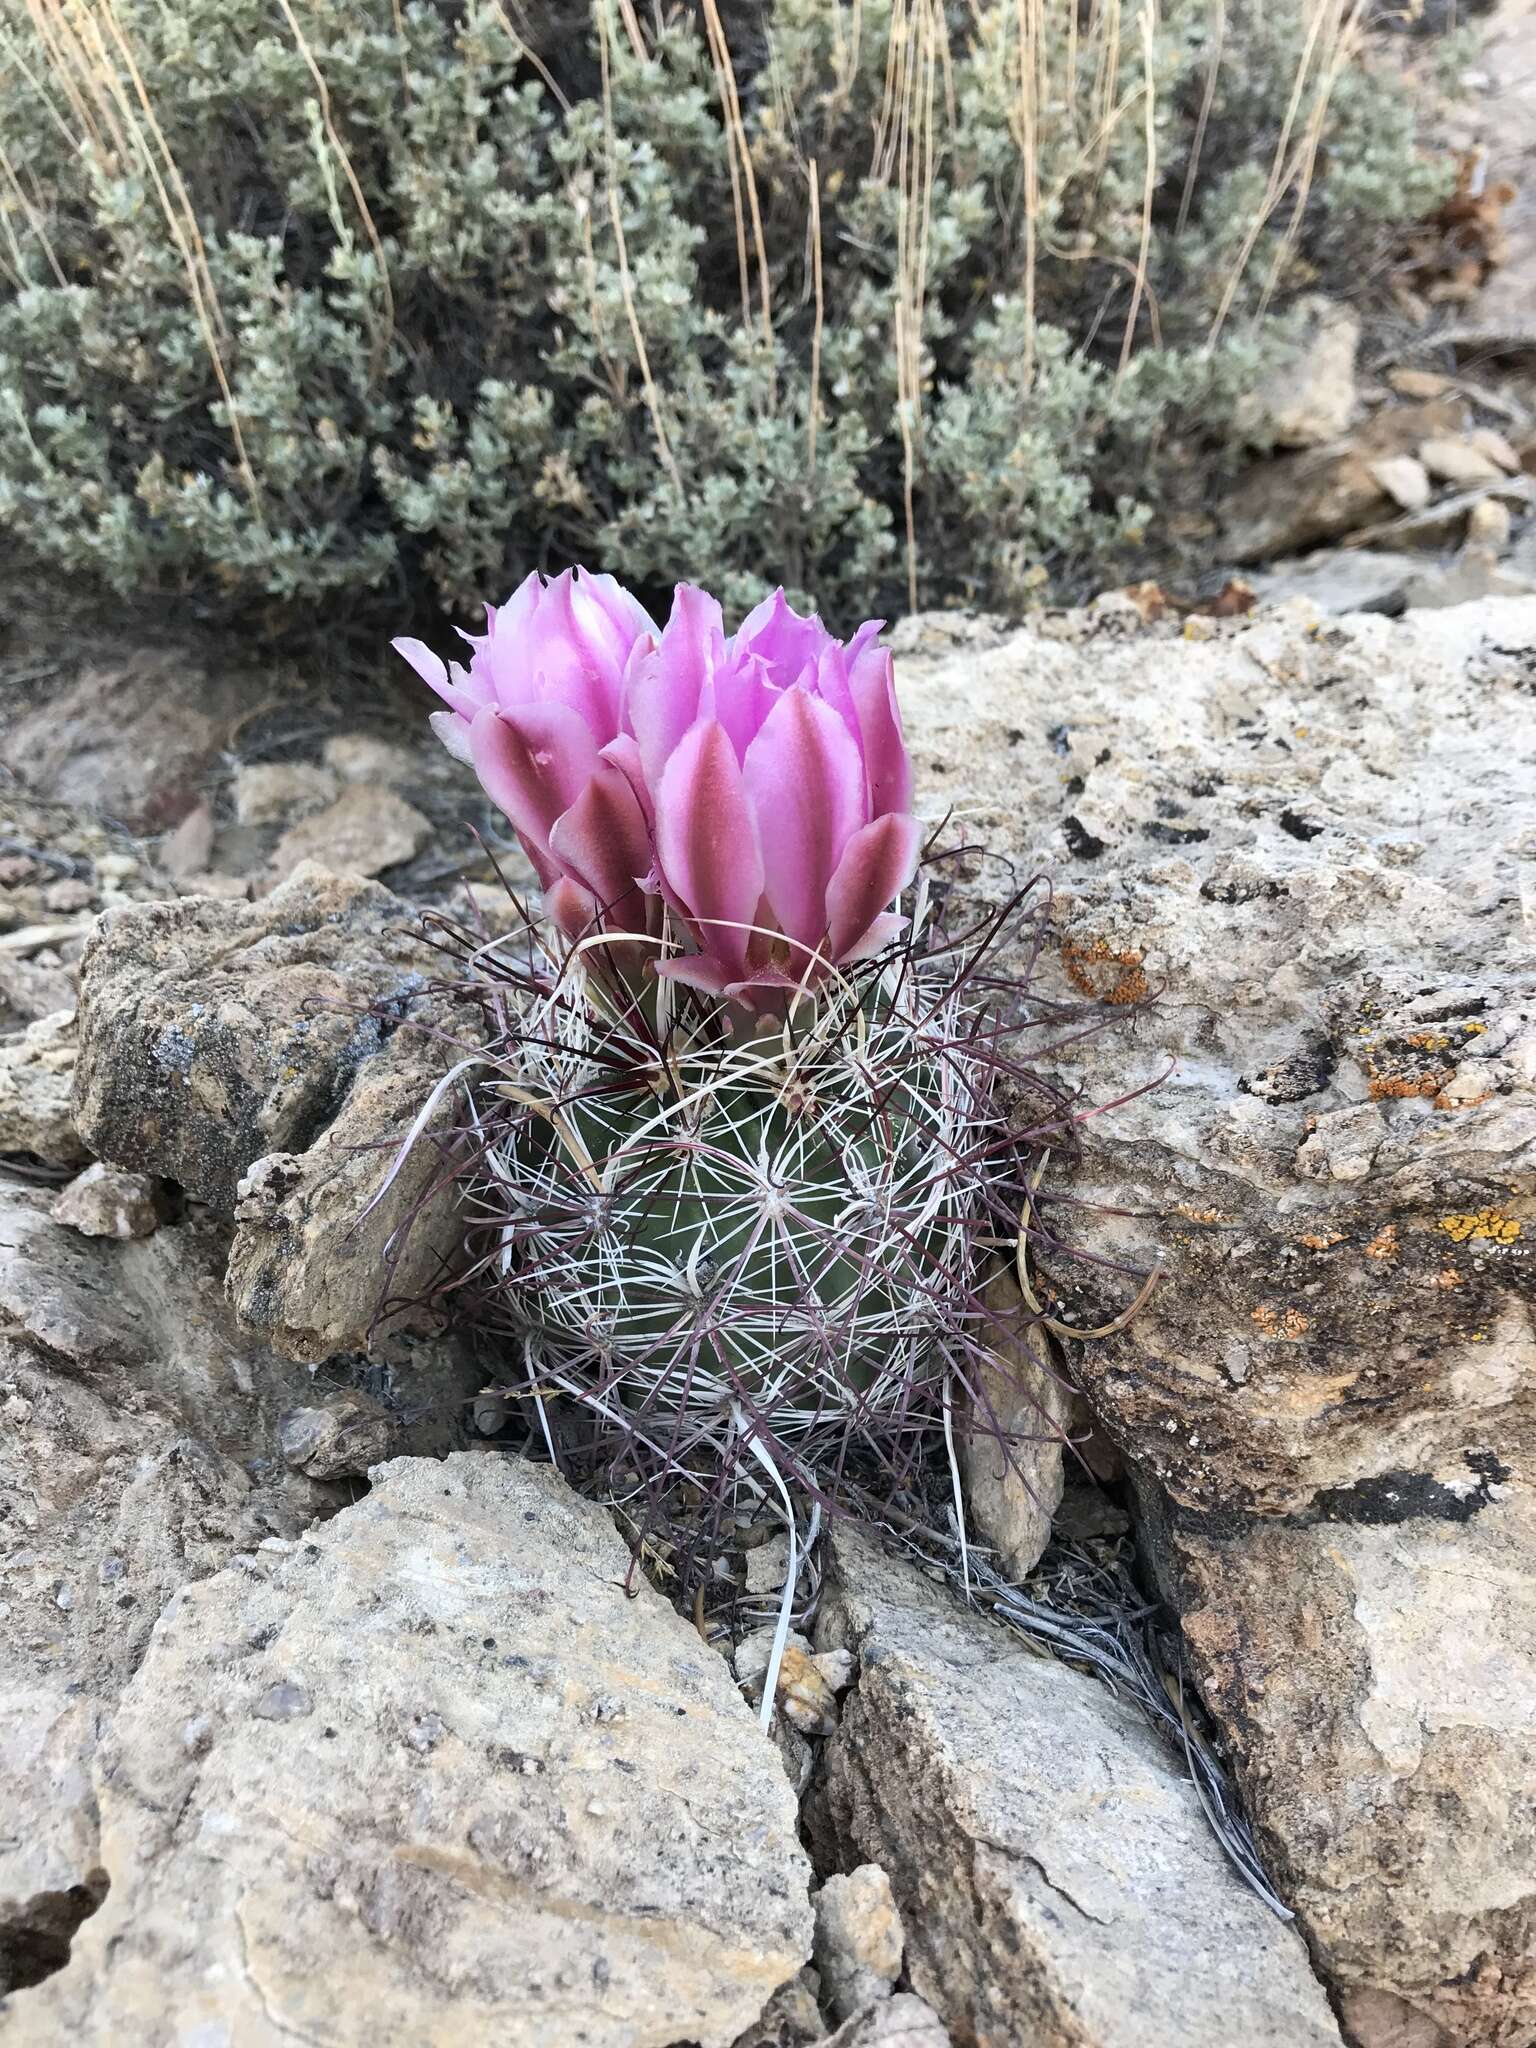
(1100, 971)
(1288, 1324)
(1489, 1223)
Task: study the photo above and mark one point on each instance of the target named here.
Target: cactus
(748, 1256)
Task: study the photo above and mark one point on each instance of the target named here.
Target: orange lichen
(1288, 1324)
(1321, 1240)
(1488, 1223)
(1384, 1244)
(1194, 1215)
(1100, 971)
(1444, 1101)
(1447, 1277)
(1386, 1086)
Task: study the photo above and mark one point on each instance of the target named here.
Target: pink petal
(887, 765)
(533, 763)
(603, 843)
(706, 840)
(788, 643)
(877, 866)
(624, 753)
(665, 685)
(455, 688)
(806, 785)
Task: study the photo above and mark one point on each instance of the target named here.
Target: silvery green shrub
(413, 284)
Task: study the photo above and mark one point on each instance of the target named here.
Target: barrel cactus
(747, 1132)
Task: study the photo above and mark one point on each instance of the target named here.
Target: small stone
(1418, 384)
(1490, 442)
(1310, 396)
(1404, 480)
(36, 1092)
(187, 850)
(364, 832)
(859, 1939)
(904, 2021)
(1458, 461)
(107, 1201)
(1488, 523)
(338, 1439)
(285, 1701)
(361, 757)
(67, 895)
(276, 792)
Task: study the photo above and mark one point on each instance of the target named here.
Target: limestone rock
(340, 1438)
(1316, 849)
(232, 1048)
(1458, 461)
(496, 1798)
(37, 1076)
(273, 792)
(1298, 501)
(899, 2022)
(1404, 479)
(859, 1939)
(1012, 1461)
(104, 1515)
(1309, 395)
(314, 1255)
(104, 1201)
(1317, 845)
(1052, 1868)
(365, 831)
(134, 740)
(1375, 1665)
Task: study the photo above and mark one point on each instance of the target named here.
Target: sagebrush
(890, 301)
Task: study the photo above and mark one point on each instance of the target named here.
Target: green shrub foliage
(308, 299)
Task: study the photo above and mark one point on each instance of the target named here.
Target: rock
(1319, 843)
(1444, 521)
(363, 757)
(273, 792)
(859, 1940)
(1011, 1460)
(1376, 1667)
(37, 1073)
(899, 2022)
(313, 1260)
(790, 2019)
(1308, 395)
(38, 987)
(1497, 447)
(1476, 573)
(106, 1202)
(186, 851)
(1488, 524)
(365, 831)
(1405, 481)
(135, 740)
(519, 1797)
(1409, 383)
(106, 1514)
(1459, 462)
(212, 1034)
(1341, 580)
(1051, 1865)
(1289, 505)
(338, 1439)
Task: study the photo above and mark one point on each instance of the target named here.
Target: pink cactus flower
(756, 784)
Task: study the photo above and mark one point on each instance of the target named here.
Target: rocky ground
(320, 1701)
